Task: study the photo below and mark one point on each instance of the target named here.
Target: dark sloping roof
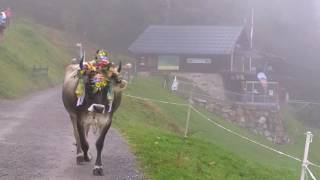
(187, 40)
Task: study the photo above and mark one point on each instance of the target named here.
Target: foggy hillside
(281, 26)
(286, 28)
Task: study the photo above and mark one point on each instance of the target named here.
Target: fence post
(305, 161)
(189, 111)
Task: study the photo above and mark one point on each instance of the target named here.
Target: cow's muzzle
(97, 108)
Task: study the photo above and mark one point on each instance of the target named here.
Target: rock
(262, 120)
(265, 126)
(210, 109)
(267, 133)
(270, 139)
(225, 115)
(232, 113)
(279, 129)
(239, 111)
(226, 110)
(242, 119)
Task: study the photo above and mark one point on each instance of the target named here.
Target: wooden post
(231, 61)
(189, 111)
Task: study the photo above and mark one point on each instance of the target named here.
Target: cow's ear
(121, 85)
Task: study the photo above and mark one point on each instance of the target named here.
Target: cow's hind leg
(98, 169)
(82, 137)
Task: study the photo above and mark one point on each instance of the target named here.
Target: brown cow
(94, 112)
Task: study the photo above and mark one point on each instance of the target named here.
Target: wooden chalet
(208, 49)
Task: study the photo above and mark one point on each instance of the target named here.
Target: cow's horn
(82, 60)
(120, 66)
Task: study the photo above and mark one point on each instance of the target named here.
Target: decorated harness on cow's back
(96, 76)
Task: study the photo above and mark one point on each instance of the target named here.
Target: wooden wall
(218, 63)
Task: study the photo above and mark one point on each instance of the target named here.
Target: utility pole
(251, 37)
(167, 15)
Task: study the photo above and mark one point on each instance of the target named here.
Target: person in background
(5, 17)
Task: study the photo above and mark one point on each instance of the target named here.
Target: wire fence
(194, 128)
(218, 94)
(223, 127)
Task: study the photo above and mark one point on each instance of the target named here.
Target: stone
(242, 119)
(225, 115)
(267, 133)
(279, 129)
(226, 110)
(270, 139)
(232, 113)
(240, 111)
(210, 110)
(265, 126)
(262, 120)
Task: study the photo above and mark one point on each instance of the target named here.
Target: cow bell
(97, 108)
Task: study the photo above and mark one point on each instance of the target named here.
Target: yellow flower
(101, 84)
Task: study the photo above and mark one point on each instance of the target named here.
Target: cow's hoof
(98, 171)
(80, 159)
(87, 158)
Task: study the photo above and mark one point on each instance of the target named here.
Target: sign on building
(199, 61)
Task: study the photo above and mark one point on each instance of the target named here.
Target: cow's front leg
(98, 169)
(82, 136)
(79, 154)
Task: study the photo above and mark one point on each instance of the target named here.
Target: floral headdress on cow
(102, 55)
(100, 71)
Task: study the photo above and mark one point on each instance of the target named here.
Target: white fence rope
(250, 140)
(153, 100)
(230, 96)
(302, 102)
(244, 137)
(222, 127)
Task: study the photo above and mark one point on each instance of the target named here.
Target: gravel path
(36, 142)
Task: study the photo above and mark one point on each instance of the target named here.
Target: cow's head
(102, 88)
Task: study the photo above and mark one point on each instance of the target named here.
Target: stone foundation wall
(264, 121)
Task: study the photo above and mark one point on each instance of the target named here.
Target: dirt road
(36, 142)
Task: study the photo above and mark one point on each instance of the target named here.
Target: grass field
(28, 44)
(155, 131)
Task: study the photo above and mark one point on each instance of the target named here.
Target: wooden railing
(39, 71)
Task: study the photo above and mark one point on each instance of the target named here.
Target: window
(142, 61)
(168, 63)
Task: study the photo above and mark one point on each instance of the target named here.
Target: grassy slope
(155, 131)
(27, 44)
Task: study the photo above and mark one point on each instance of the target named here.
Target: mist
(287, 28)
(193, 68)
